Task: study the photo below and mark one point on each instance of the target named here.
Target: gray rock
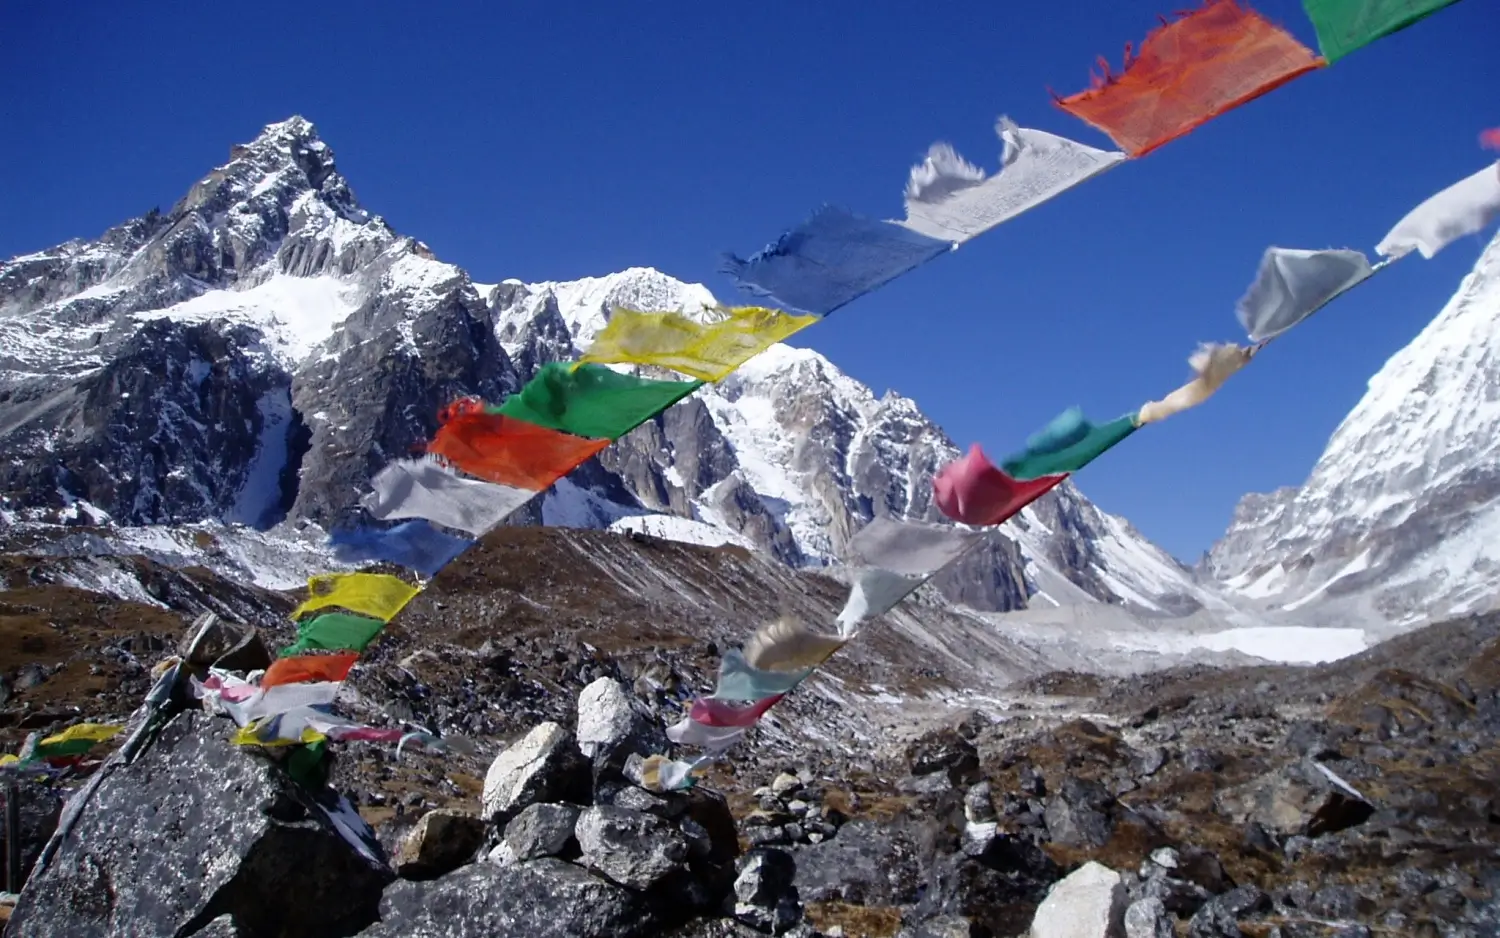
(786, 784)
(1078, 814)
(1150, 761)
(944, 750)
(544, 898)
(542, 766)
(979, 806)
(197, 828)
(764, 895)
(613, 726)
(441, 842)
(1087, 903)
(631, 848)
(865, 863)
(1178, 895)
(221, 927)
(1220, 916)
(1148, 918)
(40, 809)
(639, 799)
(541, 830)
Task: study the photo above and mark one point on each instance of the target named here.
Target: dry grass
(857, 921)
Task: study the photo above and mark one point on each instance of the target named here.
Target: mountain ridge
(306, 343)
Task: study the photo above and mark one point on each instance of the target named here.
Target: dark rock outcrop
(194, 830)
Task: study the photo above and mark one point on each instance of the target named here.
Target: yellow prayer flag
(246, 736)
(8, 758)
(706, 350)
(376, 595)
(83, 732)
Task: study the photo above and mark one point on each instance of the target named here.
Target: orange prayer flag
(1188, 72)
(305, 668)
(502, 449)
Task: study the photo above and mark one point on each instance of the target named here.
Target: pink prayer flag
(1490, 138)
(711, 711)
(972, 491)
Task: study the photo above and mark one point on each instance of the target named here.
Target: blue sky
(561, 140)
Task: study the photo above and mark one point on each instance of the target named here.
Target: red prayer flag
(711, 711)
(304, 668)
(1490, 138)
(502, 449)
(1190, 71)
(972, 491)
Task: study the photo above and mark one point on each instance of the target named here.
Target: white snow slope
(1400, 516)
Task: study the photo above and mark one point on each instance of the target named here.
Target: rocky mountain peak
(1398, 515)
(307, 344)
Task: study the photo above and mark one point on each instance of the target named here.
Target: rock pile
(790, 811)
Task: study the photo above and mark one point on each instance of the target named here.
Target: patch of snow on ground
(260, 497)
(1288, 644)
(1362, 562)
(297, 314)
(682, 530)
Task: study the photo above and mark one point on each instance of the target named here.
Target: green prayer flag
(591, 400)
(1346, 25)
(306, 765)
(1067, 444)
(333, 631)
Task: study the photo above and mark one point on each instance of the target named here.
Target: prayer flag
(948, 198)
(971, 490)
(377, 595)
(303, 668)
(787, 644)
(830, 259)
(1188, 72)
(1213, 365)
(711, 711)
(1067, 444)
(1346, 25)
(909, 548)
(873, 593)
(333, 631)
(1464, 208)
(591, 400)
(739, 681)
(417, 545)
(1293, 284)
(706, 349)
(76, 740)
(507, 450)
(421, 488)
(714, 739)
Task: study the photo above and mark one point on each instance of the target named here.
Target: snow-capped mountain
(1401, 514)
(258, 352)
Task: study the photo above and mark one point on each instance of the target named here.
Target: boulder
(612, 726)
(197, 829)
(765, 897)
(865, 863)
(542, 830)
(441, 842)
(944, 750)
(546, 898)
(545, 765)
(1087, 903)
(1148, 918)
(40, 808)
(1299, 799)
(629, 847)
(979, 805)
(1078, 815)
